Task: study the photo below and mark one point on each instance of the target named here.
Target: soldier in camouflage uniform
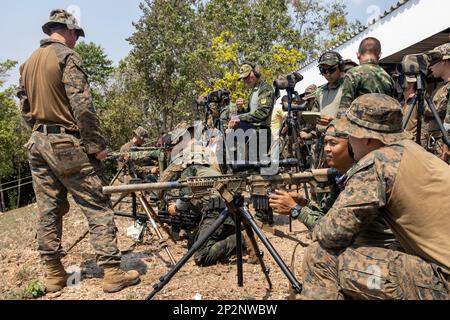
(441, 97)
(144, 170)
(430, 133)
(194, 160)
(368, 77)
(259, 116)
(349, 64)
(64, 152)
(398, 180)
(338, 156)
(328, 97)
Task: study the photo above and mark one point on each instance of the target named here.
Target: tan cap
(245, 71)
(141, 133)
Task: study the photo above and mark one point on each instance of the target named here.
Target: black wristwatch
(295, 212)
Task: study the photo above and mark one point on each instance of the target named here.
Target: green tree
(98, 68)
(125, 99)
(96, 63)
(13, 133)
(168, 51)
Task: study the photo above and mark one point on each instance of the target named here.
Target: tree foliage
(13, 134)
(168, 56)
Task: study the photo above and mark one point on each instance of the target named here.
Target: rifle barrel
(143, 187)
(319, 175)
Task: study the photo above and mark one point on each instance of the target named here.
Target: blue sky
(107, 23)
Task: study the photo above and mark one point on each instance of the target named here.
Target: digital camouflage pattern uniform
(377, 234)
(56, 103)
(399, 182)
(369, 77)
(441, 99)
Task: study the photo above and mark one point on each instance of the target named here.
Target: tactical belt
(52, 129)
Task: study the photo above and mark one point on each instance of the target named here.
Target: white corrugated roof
(402, 26)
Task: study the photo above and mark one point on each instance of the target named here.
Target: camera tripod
(419, 103)
(237, 207)
(293, 142)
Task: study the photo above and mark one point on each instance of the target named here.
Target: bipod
(237, 207)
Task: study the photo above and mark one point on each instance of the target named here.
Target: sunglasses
(324, 71)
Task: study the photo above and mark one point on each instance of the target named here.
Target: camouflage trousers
(220, 245)
(371, 273)
(59, 165)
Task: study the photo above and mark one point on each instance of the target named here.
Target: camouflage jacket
(441, 100)
(227, 113)
(376, 234)
(68, 86)
(260, 106)
(197, 202)
(142, 160)
(447, 118)
(369, 77)
(195, 154)
(405, 185)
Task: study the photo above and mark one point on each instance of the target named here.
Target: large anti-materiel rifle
(259, 184)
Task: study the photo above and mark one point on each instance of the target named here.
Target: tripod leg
(116, 176)
(155, 216)
(197, 245)
(134, 204)
(439, 121)
(122, 196)
(155, 227)
(240, 273)
(258, 252)
(247, 217)
(409, 113)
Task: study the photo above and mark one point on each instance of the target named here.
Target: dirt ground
(19, 263)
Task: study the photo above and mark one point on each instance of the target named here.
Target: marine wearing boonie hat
(61, 16)
(375, 116)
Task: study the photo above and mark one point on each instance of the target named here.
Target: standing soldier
(441, 97)
(258, 117)
(65, 150)
(328, 97)
(368, 77)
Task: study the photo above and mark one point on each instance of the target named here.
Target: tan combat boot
(116, 279)
(56, 276)
(252, 257)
